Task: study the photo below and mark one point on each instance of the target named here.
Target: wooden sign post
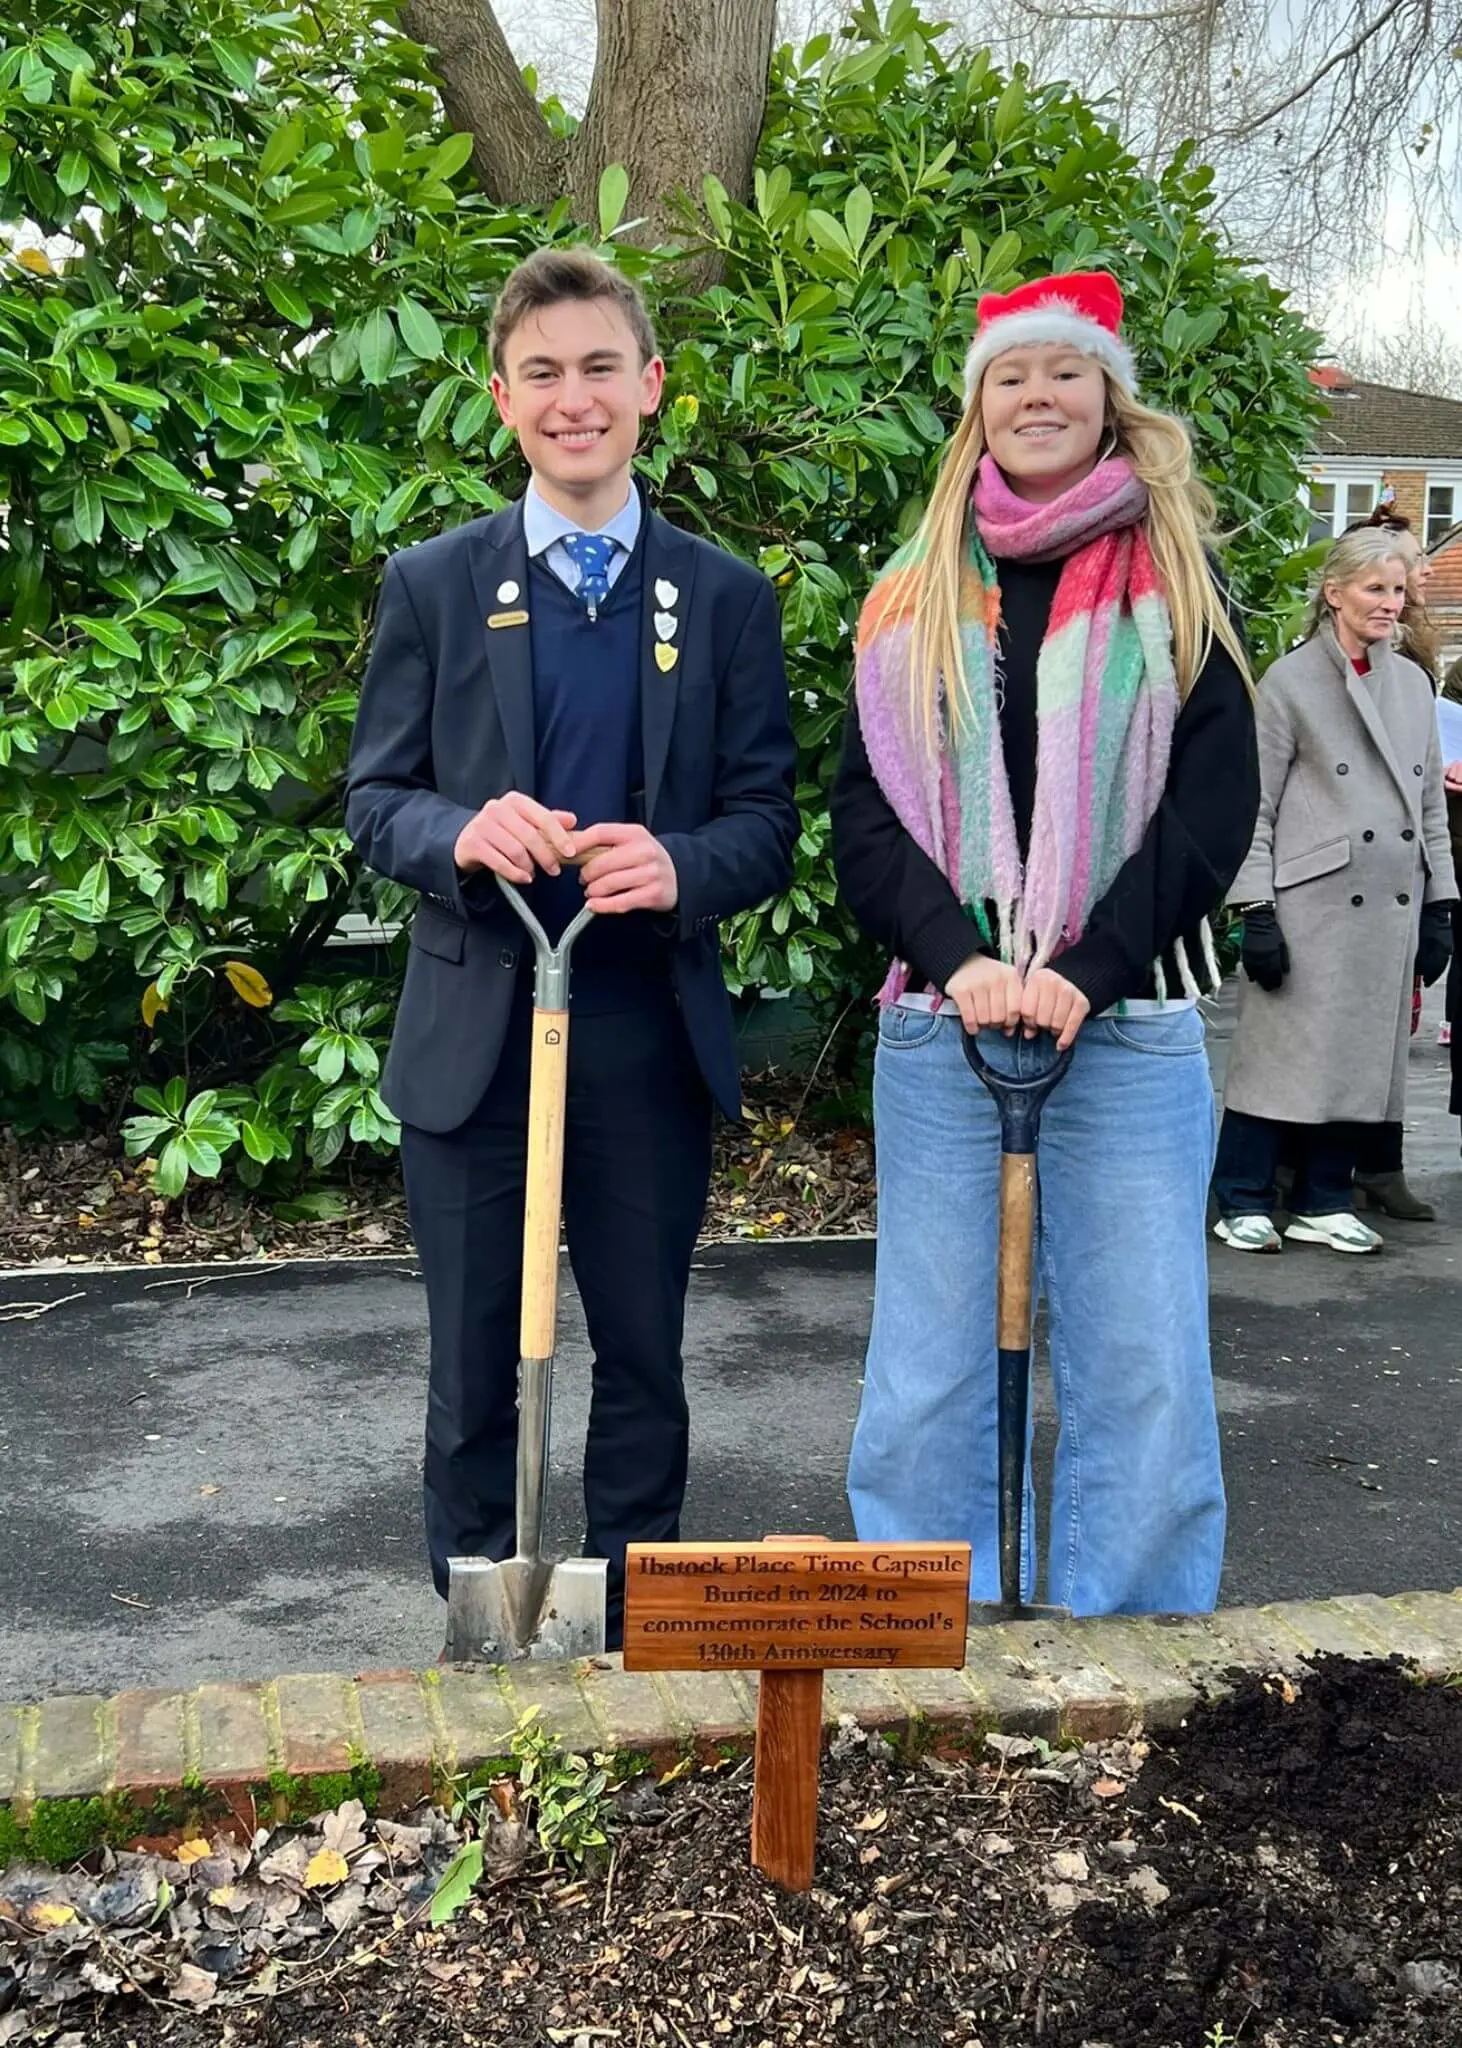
(791, 1608)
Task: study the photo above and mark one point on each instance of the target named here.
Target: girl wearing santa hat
(1049, 780)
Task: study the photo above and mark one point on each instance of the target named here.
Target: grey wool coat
(1351, 840)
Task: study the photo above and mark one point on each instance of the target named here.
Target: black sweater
(1190, 853)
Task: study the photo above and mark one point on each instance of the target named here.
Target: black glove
(1264, 953)
(1434, 942)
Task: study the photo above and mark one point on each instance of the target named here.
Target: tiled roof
(1375, 419)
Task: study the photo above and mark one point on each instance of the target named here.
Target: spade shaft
(1019, 1099)
(525, 1605)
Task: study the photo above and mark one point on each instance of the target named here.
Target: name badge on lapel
(496, 619)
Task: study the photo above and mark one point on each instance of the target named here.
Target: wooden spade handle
(543, 1207)
(1017, 1239)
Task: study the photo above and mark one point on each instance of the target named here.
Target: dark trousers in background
(1249, 1152)
(637, 1158)
(1377, 1148)
(1454, 1010)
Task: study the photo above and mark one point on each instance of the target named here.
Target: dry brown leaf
(345, 1829)
(193, 1986)
(325, 1867)
(194, 1851)
(872, 1822)
(1109, 1788)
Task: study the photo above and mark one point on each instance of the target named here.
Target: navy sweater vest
(589, 759)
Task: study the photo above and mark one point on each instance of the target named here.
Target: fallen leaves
(325, 1867)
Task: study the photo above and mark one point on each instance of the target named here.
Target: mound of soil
(1285, 1871)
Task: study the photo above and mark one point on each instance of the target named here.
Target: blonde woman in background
(1346, 893)
(1048, 781)
(1380, 1173)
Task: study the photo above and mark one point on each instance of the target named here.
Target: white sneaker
(1342, 1232)
(1248, 1233)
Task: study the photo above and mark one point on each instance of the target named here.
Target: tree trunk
(517, 158)
(679, 90)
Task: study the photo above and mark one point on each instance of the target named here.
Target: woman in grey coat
(1345, 893)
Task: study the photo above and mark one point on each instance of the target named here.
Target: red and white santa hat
(1083, 309)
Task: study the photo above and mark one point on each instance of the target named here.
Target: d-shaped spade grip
(1019, 1100)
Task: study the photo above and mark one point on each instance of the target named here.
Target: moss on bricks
(12, 1836)
(61, 1831)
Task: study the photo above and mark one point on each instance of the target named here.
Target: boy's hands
(624, 867)
(513, 835)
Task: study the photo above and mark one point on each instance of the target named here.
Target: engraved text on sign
(776, 1607)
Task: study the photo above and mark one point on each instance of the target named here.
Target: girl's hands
(992, 995)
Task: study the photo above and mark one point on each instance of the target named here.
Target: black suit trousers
(637, 1156)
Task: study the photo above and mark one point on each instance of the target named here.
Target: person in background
(1380, 1174)
(1346, 893)
(1452, 691)
(1048, 780)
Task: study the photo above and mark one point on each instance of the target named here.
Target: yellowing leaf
(50, 1913)
(248, 984)
(37, 261)
(152, 1005)
(326, 1866)
(228, 1897)
(194, 1851)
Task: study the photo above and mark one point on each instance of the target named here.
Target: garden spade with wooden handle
(527, 1605)
(1020, 1100)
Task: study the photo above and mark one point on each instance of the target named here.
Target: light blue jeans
(1125, 1152)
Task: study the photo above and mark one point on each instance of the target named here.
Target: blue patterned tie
(591, 554)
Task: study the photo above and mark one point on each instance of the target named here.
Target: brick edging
(78, 1770)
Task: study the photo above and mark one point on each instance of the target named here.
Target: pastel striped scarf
(1106, 699)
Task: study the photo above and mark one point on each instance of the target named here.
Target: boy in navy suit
(571, 679)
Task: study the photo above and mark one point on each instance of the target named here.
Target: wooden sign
(791, 1608)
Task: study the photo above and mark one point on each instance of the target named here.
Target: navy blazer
(446, 722)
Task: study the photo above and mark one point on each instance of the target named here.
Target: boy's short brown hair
(547, 278)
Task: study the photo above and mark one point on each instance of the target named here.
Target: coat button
(1368, 837)
(1417, 769)
(1402, 897)
(1341, 768)
(1408, 833)
(1357, 901)
(507, 957)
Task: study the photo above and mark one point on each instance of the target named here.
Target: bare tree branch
(1352, 49)
(515, 154)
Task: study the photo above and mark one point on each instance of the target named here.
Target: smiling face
(1365, 609)
(574, 390)
(1044, 413)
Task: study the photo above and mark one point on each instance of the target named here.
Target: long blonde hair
(1180, 517)
(1418, 636)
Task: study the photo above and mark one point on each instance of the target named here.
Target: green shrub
(263, 367)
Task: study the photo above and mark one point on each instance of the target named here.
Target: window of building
(1336, 506)
(1441, 512)
(1322, 511)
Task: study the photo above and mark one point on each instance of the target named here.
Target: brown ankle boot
(1389, 1193)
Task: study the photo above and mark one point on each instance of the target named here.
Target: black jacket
(1192, 849)
(446, 722)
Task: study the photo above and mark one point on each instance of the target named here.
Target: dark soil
(791, 1168)
(1286, 1870)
